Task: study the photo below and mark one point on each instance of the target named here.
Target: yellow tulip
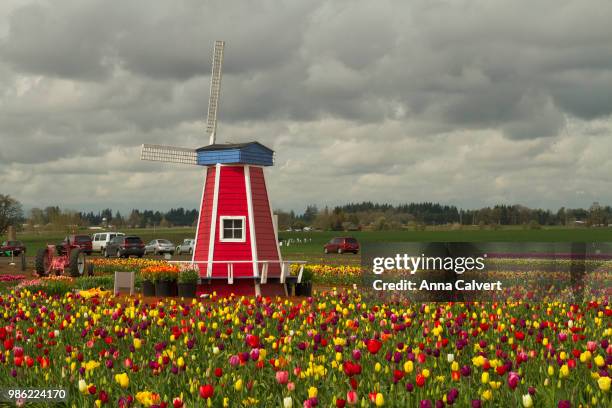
(604, 383)
(122, 379)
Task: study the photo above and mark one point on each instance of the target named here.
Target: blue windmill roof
(235, 153)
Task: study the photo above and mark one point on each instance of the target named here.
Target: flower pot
(165, 288)
(303, 289)
(148, 288)
(187, 290)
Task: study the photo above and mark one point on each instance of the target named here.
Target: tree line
(55, 216)
(377, 216)
(351, 216)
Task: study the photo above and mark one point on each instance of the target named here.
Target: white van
(101, 239)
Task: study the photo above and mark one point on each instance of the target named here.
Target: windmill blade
(215, 90)
(168, 154)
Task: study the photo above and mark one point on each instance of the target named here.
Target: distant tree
(164, 223)
(118, 220)
(135, 220)
(11, 212)
(37, 216)
(310, 214)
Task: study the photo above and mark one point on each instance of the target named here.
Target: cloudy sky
(464, 102)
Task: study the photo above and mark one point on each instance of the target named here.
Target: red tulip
(374, 345)
(206, 391)
(252, 340)
(420, 380)
(218, 372)
(29, 361)
(340, 403)
(372, 396)
(103, 396)
(177, 403)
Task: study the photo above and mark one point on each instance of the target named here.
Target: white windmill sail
(173, 154)
(215, 90)
(168, 154)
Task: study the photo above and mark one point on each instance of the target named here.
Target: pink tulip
(591, 346)
(282, 377)
(351, 397)
(234, 360)
(513, 380)
(291, 386)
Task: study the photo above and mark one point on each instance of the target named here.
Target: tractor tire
(42, 262)
(105, 253)
(77, 264)
(118, 254)
(90, 269)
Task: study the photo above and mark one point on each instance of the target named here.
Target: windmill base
(241, 288)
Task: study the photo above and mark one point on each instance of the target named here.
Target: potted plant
(304, 288)
(166, 285)
(149, 278)
(187, 281)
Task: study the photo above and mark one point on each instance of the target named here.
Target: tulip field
(334, 349)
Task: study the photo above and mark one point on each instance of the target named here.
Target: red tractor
(61, 258)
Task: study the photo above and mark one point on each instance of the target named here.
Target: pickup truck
(16, 247)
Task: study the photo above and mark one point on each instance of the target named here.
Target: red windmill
(236, 246)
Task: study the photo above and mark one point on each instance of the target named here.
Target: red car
(16, 247)
(342, 245)
(80, 241)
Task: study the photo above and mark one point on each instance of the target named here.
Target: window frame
(222, 229)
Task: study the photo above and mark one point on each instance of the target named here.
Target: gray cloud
(459, 102)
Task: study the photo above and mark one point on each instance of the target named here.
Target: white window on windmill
(233, 228)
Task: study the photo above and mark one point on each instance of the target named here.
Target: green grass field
(312, 250)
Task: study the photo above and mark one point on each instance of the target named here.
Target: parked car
(80, 241)
(101, 239)
(186, 247)
(342, 245)
(15, 247)
(159, 246)
(122, 246)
